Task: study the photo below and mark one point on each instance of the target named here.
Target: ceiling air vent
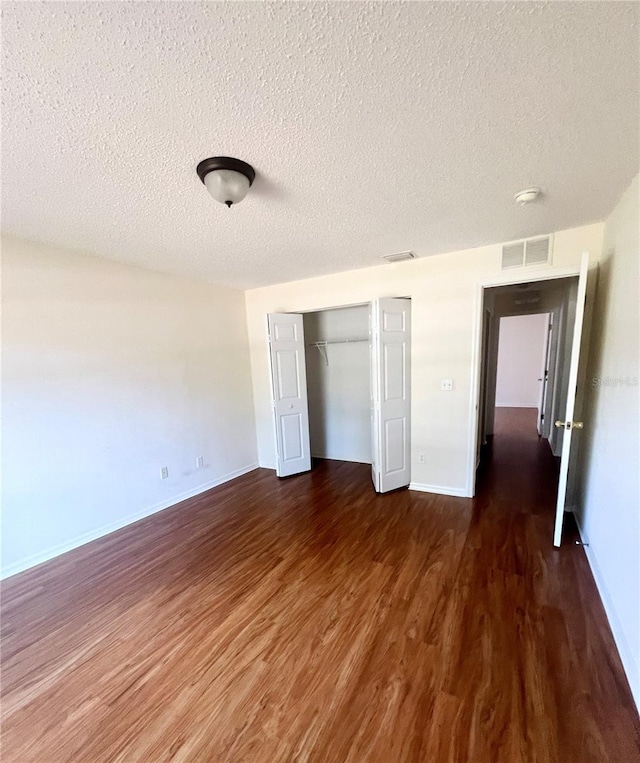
(399, 256)
(532, 251)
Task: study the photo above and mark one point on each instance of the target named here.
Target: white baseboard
(99, 532)
(627, 658)
(347, 460)
(457, 492)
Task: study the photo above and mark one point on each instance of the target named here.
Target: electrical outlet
(422, 458)
(164, 472)
(199, 462)
(446, 385)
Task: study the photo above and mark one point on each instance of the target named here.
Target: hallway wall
(521, 356)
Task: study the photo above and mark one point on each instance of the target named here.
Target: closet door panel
(289, 393)
(391, 393)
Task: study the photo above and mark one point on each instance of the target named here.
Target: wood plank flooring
(311, 620)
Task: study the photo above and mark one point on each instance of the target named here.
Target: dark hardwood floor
(311, 620)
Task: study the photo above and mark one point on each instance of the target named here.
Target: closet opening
(339, 383)
(341, 388)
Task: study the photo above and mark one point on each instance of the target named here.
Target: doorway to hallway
(563, 301)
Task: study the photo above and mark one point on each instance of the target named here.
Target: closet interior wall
(338, 383)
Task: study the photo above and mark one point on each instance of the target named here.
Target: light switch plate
(446, 385)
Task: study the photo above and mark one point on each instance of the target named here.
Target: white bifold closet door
(390, 393)
(289, 393)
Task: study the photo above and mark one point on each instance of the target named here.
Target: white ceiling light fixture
(228, 180)
(527, 196)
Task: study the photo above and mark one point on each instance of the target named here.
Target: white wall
(338, 388)
(609, 507)
(445, 301)
(110, 372)
(521, 356)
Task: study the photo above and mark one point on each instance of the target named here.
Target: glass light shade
(227, 186)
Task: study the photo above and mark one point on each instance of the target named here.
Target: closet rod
(324, 342)
(322, 346)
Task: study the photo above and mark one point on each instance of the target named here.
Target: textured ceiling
(373, 127)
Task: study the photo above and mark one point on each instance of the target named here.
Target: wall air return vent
(399, 256)
(513, 255)
(537, 251)
(531, 251)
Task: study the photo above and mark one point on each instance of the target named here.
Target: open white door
(289, 393)
(544, 391)
(391, 393)
(569, 424)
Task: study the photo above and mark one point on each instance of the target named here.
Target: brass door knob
(570, 424)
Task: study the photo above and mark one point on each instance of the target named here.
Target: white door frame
(551, 371)
(504, 279)
(483, 390)
(546, 362)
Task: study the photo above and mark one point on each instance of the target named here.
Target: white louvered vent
(532, 251)
(399, 256)
(537, 251)
(513, 255)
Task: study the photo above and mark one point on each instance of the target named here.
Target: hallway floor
(519, 463)
(312, 620)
